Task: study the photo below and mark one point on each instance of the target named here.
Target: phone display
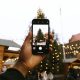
(40, 39)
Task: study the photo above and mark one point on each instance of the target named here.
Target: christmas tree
(40, 35)
(53, 62)
(40, 14)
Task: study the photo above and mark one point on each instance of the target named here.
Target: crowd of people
(42, 75)
(45, 76)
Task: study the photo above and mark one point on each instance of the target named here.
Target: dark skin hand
(27, 60)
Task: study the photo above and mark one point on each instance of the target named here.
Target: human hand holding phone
(26, 57)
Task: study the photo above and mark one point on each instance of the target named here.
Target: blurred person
(39, 76)
(72, 74)
(4, 68)
(26, 61)
(44, 76)
(50, 76)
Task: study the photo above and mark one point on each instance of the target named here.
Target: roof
(75, 37)
(77, 61)
(9, 43)
(69, 60)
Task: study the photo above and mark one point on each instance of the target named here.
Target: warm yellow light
(41, 61)
(60, 53)
(53, 57)
(55, 53)
(76, 44)
(57, 69)
(52, 67)
(46, 67)
(57, 56)
(41, 65)
(46, 63)
(3, 61)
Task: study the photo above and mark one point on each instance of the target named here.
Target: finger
(26, 41)
(41, 56)
(51, 35)
(50, 49)
(51, 45)
(29, 37)
(51, 41)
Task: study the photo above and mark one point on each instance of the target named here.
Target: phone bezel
(44, 22)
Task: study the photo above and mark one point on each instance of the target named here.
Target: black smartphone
(40, 36)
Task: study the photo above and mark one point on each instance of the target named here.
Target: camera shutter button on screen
(40, 48)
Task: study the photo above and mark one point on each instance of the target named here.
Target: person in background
(39, 76)
(72, 74)
(50, 76)
(44, 76)
(26, 61)
(4, 69)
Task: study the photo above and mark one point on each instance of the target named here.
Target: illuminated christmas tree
(40, 35)
(53, 62)
(40, 14)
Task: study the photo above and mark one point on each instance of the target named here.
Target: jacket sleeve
(12, 74)
(3, 77)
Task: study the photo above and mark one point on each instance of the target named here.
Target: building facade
(5, 53)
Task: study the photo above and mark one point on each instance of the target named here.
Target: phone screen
(39, 34)
(40, 38)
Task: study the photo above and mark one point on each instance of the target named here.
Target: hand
(26, 55)
(26, 52)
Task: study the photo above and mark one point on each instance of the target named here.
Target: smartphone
(40, 36)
